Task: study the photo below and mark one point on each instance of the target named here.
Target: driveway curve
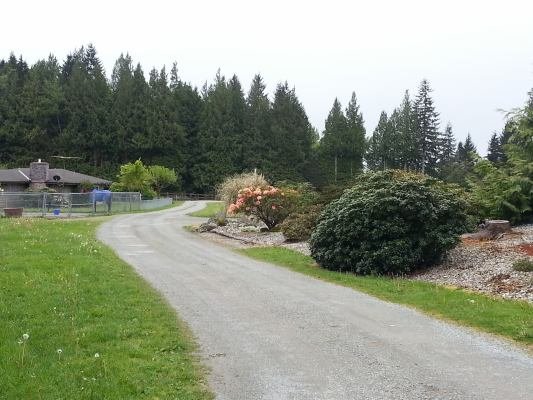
(269, 333)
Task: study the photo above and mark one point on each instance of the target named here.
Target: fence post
(69, 205)
(44, 205)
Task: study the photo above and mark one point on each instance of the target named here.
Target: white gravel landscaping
(238, 233)
(486, 266)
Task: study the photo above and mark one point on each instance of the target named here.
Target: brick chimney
(38, 175)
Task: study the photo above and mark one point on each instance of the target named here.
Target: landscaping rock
(207, 227)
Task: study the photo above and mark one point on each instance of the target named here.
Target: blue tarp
(103, 196)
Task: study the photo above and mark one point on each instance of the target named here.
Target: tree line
(72, 109)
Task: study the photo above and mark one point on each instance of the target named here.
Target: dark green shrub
(523, 265)
(306, 195)
(389, 223)
(331, 193)
(299, 226)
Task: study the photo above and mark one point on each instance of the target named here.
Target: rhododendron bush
(269, 204)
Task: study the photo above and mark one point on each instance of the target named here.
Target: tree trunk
(497, 226)
(492, 229)
(335, 168)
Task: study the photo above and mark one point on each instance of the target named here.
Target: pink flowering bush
(269, 204)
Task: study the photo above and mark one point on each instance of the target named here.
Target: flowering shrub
(270, 204)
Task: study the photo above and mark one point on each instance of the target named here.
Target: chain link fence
(68, 204)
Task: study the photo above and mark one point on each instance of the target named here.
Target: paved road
(269, 333)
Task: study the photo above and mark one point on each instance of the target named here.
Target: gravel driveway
(268, 333)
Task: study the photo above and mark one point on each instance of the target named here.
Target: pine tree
(427, 129)
(186, 106)
(469, 146)
(447, 146)
(122, 92)
(42, 100)
(495, 150)
(376, 155)
(292, 136)
(460, 154)
(221, 134)
(356, 136)
(87, 102)
(405, 126)
(257, 150)
(334, 142)
(166, 134)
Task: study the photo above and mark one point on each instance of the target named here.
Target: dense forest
(74, 110)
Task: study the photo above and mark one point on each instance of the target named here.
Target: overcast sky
(477, 55)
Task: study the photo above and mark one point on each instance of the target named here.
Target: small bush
(229, 189)
(389, 223)
(299, 226)
(269, 204)
(503, 193)
(523, 265)
(134, 177)
(306, 195)
(331, 193)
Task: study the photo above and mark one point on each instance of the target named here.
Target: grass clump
(229, 189)
(211, 210)
(78, 323)
(507, 318)
(523, 265)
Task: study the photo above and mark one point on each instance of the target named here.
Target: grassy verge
(96, 330)
(101, 209)
(510, 319)
(175, 203)
(210, 210)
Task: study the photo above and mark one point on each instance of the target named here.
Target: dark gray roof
(21, 175)
(14, 175)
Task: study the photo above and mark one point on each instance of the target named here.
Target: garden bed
(232, 235)
(484, 266)
(487, 266)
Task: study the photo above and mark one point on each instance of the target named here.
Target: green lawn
(210, 210)
(510, 319)
(96, 329)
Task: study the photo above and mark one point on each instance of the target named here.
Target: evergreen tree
(460, 154)
(164, 129)
(257, 150)
(87, 103)
(356, 136)
(427, 129)
(12, 144)
(447, 146)
(186, 106)
(292, 136)
(495, 150)
(122, 105)
(43, 103)
(221, 134)
(376, 147)
(468, 145)
(334, 142)
(405, 126)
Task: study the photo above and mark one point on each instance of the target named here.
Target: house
(40, 176)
